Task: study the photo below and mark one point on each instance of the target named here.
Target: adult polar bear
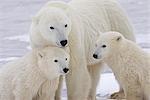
(79, 22)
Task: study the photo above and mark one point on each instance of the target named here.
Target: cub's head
(54, 25)
(53, 61)
(107, 44)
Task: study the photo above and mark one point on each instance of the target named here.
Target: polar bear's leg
(78, 82)
(22, 94)
(146, 86)
(94, 71)
(133, 95)
(44, 91)
(133, 90)
(78, 79)
(6, 96)
(47, 90)
(118, 95)
(58, 92)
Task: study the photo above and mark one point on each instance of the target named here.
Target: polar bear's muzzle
(95, 56)
(64, 43)
(66, 70)
(62, 40)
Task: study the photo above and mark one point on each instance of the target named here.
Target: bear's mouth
(100, 57)
(63, 73)
(97, 56)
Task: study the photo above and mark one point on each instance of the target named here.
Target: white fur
(129, 62)
(46, 18)
(85, 18)
(23, 78)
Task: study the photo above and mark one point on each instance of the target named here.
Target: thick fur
(129, 62)
(23, 78)
(85, 18)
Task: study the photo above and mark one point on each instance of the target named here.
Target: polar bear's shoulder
(51, 6)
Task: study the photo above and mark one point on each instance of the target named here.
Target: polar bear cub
(21, 79)
(128, 61)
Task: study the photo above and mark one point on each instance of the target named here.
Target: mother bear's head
(53, 24)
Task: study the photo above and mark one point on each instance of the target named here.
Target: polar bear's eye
(66, 58)
(51, 27)
(55, 60)
(66, 25)
(103, 46)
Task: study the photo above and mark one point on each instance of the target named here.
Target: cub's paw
(118, 95)
(91, 98)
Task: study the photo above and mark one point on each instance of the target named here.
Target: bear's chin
(63, 74)
(51, 77)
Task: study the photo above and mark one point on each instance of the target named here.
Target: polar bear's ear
(59, 4)
(119, 38)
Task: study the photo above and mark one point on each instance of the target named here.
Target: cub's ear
(119, 38)
(40, 54)
(59, 4)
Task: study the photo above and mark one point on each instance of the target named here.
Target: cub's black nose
(95, 56)
(65, 70)
(63, 42)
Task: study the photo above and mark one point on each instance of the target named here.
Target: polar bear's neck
(39, 41)
(128, 57)
(36, 40)
(35, 81)
(33, 77)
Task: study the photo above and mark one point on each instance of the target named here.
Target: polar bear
(22, 79)
(128, 61)
(77, 25)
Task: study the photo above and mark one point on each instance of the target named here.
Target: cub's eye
(55, 60)
(66, 58)
(103, 46)
(66, 25)
(51, 28)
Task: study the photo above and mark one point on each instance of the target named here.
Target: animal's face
(55, 26)
(53, 62)
(107, 44)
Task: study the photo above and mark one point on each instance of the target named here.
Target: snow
(107, 86)
(24, 38)
(8, 59)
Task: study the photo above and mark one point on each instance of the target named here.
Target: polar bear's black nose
(95, 56)
(65, 70)
(63, 42)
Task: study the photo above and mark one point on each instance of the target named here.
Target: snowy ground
(107, 86)
(15, 18)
